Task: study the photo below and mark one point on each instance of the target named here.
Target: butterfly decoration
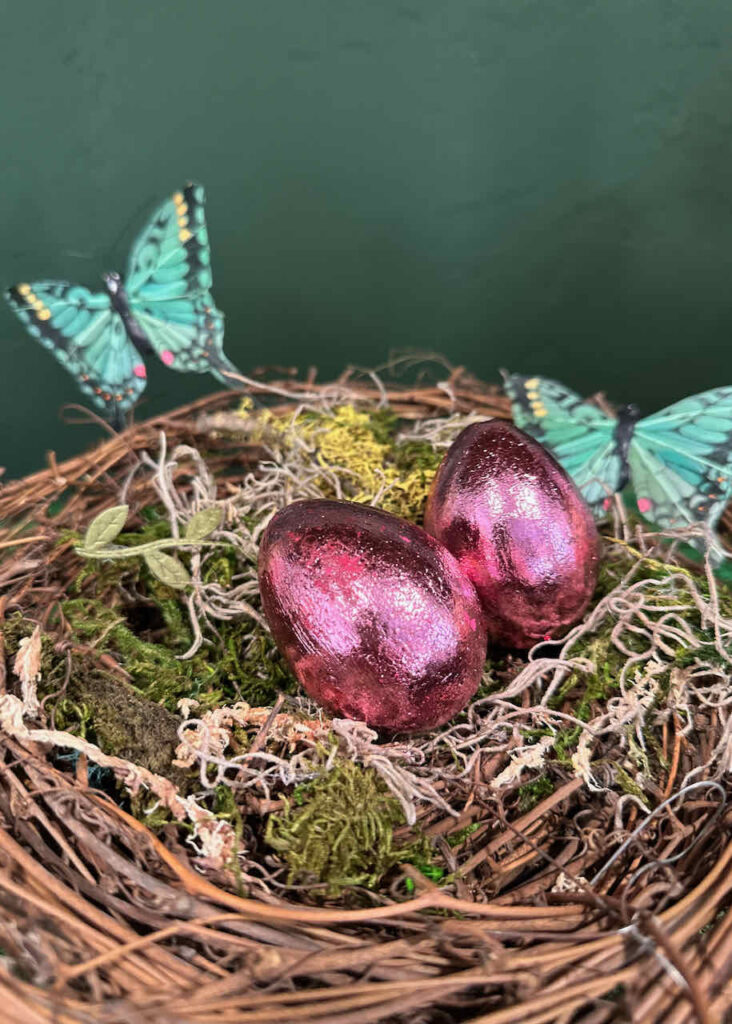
(163, 307)
(678, 461)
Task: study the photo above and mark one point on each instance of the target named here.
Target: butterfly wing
(87, 337)
(681, 460)
(186, 334)
(168, 286)
(579, 435)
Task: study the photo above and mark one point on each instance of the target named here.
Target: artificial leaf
(105, 527)
(202, 524)
(167, 569)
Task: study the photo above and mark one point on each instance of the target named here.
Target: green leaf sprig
(107, 526)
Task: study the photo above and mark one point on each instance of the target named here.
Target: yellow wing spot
(539, 410)
(181, 208)
(44, 314)
(531, 384)
(183, 222)
(532, 395)
(178, 198)
(24, 289)
(184, 234)
(38, 305)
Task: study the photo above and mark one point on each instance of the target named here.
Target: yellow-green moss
(339, 830)
(361, 449)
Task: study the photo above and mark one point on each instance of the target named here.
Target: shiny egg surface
(519, 528)
(374, 616)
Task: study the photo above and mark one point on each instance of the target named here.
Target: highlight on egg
(375, 617)
(520, 530)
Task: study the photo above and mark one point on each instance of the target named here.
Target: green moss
(532, 793)
(222, 568)
(243, 665)
(138, 720)
(259, 672)
(627, 784)
(583, 690)
(565, 744)
(339, 830)
(155, 670)
(425, 867)
(91, 702)
(383, 424)
(416, 455)
(456, 838)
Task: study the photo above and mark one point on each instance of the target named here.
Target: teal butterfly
(678, 461)
(164, 307)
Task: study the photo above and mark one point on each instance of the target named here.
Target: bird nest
(187, 838)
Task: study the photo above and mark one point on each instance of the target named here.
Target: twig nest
(374, 616)
(520, 530)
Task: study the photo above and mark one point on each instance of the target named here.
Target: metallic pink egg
(373, 615)
(520, 530)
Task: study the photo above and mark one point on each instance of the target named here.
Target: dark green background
(541, 184)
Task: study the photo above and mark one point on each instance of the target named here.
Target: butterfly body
(121, 304)
(163, 306)
(628, 416)
(678, 461)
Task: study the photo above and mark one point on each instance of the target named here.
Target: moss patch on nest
(89, 701)
(363, 451)
(242, 664)
(338, 831)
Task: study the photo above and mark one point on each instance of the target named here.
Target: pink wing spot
(607, 503)
(167, 356)
(139, 371)
(644, 505)
(547, 636)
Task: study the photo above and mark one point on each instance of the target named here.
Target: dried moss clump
(339, 830)
(363, 452)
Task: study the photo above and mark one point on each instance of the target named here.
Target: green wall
(540, 184)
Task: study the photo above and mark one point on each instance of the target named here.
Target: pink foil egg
(520, 530)
(374, 616)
